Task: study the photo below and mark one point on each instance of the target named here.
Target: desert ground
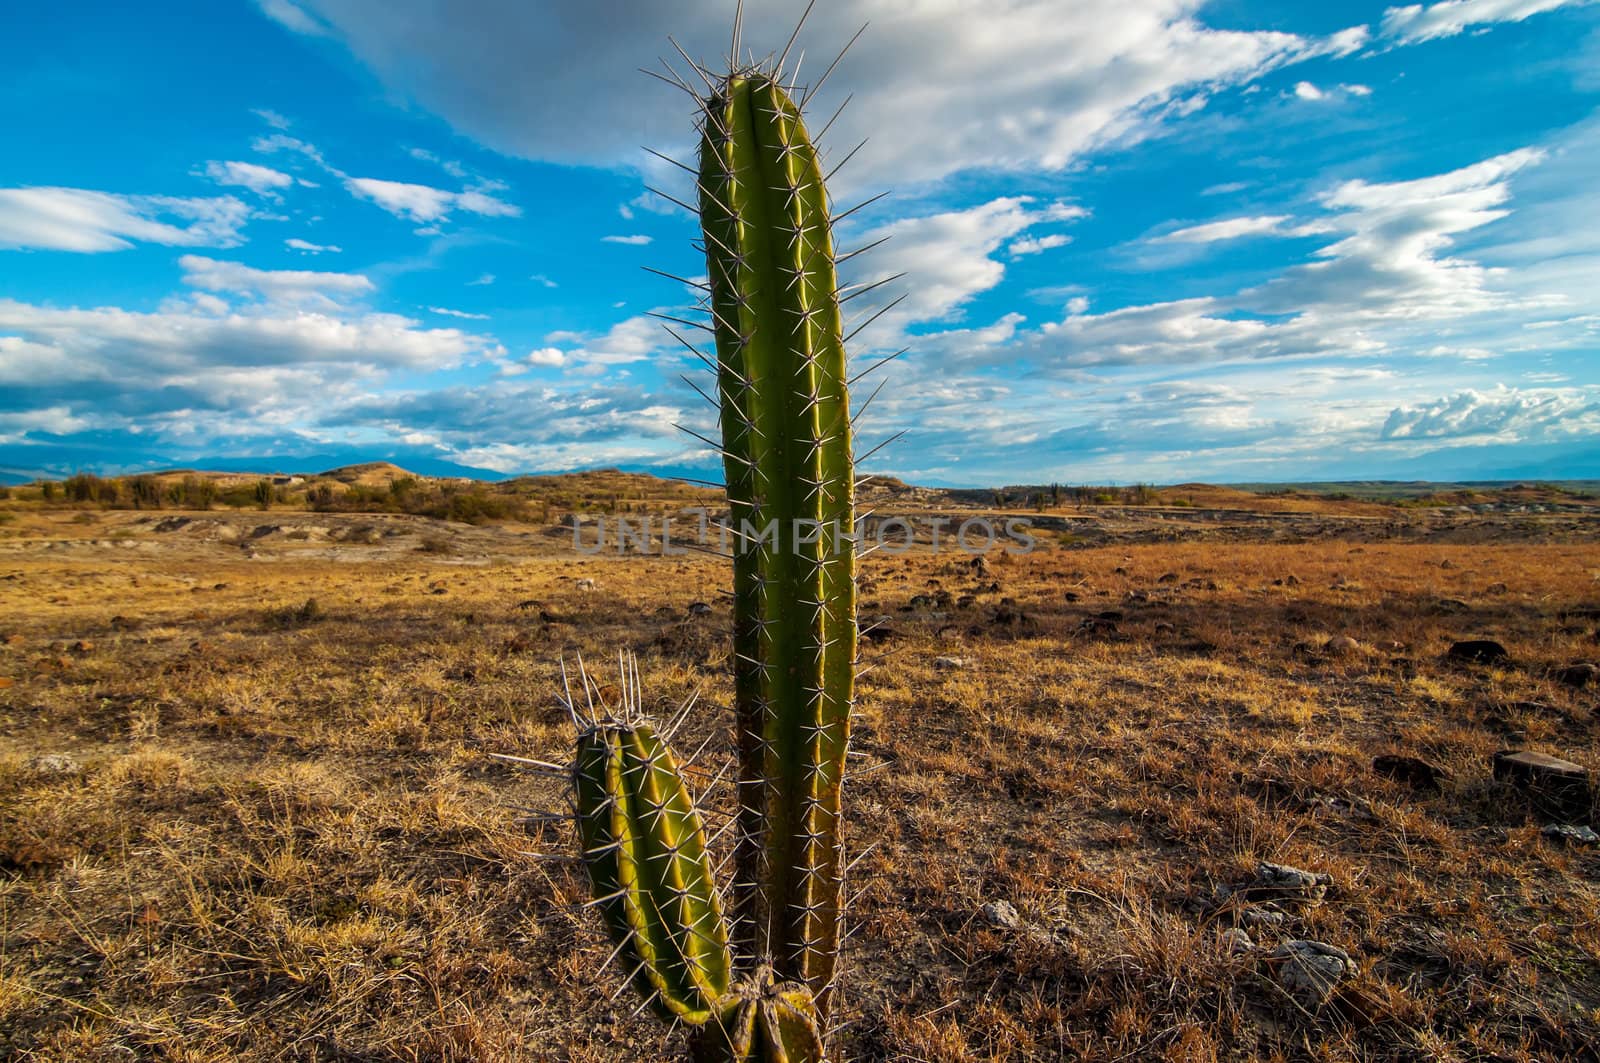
(249, 808)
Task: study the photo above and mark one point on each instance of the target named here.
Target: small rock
(1447, 563)
(82, 646)
(1291, 580)
(1572, 834)
(54, 764)
(1289, 883)
(1478, 651)
(1002, 914)
(1311, 970)
(1270, 918)
(1167, 577)
(1236, 942)
(951, 664)
(879, 630)
(1558, 787)
(1578, 675)
(1343, 646)
(699, 609)
(1496, 588)
(1413, 771)
(585, 585)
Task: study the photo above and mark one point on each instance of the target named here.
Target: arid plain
(248, 807)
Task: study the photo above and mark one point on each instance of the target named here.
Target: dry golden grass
(279, 835)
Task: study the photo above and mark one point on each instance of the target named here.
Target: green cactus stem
(645, 848)
(786, 440)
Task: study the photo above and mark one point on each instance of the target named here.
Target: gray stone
(1269, 918)
(1572, 834)
(1559, 788)
(54, 764)
(952, 664)
(1001, 914)
(1311, 970)
(1289, 883)
(1236, 942)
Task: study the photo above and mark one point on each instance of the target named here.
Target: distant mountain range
(1460, 465)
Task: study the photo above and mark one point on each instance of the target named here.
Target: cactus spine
(773, 301)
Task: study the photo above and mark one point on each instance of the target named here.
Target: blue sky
(1145, 239)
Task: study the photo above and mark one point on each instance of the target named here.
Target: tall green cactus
(773, 301)
(786, 439)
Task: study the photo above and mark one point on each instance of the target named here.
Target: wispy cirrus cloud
(262, 180)
(77, 219)
(1419, 22)
(426, 204)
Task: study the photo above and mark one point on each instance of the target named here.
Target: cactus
(773, 301)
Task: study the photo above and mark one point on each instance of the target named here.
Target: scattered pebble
(1478, 651)
(1236, 942)
(1413, 771)
(1578, 675)
(1311, 970)
(1001, 914)
(1572, 834)
(1289, 883)
(951, 664)
(54, 764)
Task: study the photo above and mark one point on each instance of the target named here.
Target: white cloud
(1033, 245)
(1386, 283)
(1225, 188)
(272, 118)
(1307, 91)
(548, 356)
(284, 285)
(541, 279)
(447, 312)
(276, 142)
(1021, 84)
(129, 357)
(638, 240)
(948, 259)
(424, 203)
(292, 17)
(1227, 229)
(262, 180)
(449, 166)
(1414, 23)
(483, 281)
(1501, 415)
(75, 219)
(631, 340)
(294, 243)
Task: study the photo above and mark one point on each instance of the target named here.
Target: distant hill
(369, 474)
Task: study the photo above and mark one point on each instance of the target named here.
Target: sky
(1144, 240)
